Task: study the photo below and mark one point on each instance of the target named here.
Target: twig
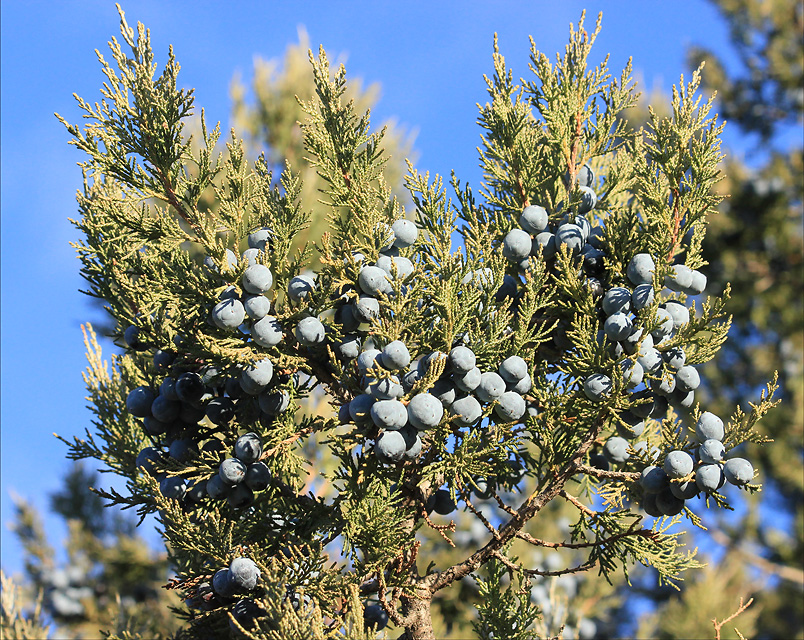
(481, 517)
(625, 476)
(632, 531)
(676, 226)
(719, 625)
(537, 572)
(574, 150)
(526, 511)
(410, 563)
(440, 528)
(581, 507)
(290, 440)
(536, 542)
(521, 188)
(389, 607)
(173, 199)
(502, 505)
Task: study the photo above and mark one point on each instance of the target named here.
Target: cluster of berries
(466, 390)
(248, 310)
(539, 237)
(684, 474)
(229, 585)
(628, 313)
(183, 417)
(240, 476)
(358, 305)
(183, 412)
(385, 380)
(670, 381)
(392, 402)
(639, 332)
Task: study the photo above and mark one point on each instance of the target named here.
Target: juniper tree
(555, 348)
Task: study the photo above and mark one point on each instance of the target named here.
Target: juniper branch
(508, 531)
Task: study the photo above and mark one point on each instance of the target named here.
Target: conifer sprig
(678, 168)
(566, 96)
(504, 613)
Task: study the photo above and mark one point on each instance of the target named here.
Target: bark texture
(418, 623)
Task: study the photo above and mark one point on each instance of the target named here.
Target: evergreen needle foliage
(16, 623)
(337, 550)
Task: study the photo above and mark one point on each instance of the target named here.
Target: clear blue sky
(429, 57)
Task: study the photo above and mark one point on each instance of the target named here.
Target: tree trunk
(417, 613)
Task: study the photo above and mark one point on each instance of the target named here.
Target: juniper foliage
(755, 243)
(18, 624)
(144, 226)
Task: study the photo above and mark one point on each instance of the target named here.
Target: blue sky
(429, 57)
